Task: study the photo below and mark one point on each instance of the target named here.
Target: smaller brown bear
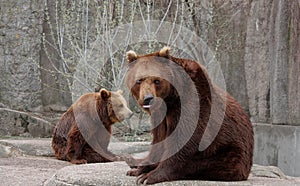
(83, 133)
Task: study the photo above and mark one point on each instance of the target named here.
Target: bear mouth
(148, 101)
(146, 106)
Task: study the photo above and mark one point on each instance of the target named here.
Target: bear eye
(156, 82)
(139, 81)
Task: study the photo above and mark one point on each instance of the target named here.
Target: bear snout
(148, 99)
(126, 114)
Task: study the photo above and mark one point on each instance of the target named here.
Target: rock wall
(20, 45)
(17, 123)
(272, 62)
(255, 42)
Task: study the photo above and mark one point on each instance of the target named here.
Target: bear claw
(142, 179)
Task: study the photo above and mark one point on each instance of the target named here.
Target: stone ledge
(23, 146)
(28, 170)
(115, 174)
(42, 147)
(23, 162)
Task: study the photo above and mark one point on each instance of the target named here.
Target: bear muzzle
(148, 100)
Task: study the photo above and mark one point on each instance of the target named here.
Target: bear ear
(105, 94)
(165, 52)
(131, 56)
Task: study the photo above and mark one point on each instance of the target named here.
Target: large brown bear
(199, 131)
(82, 134)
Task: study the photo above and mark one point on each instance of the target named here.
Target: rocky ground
(31, 162)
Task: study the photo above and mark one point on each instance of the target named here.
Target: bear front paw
(133, 172)
(152, 178)
(75, 161)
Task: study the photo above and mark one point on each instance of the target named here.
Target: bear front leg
(170, 169)
(99, 147)
(113, 157)
(94, 157)
(133, 163)
(75, 144)
(141, 166)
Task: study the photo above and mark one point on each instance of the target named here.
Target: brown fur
(228, 157)
(82, 134)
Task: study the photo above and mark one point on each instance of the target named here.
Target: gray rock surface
(27, 170)
(5, 151)
(14, 123)
(25, 162)
(271, 62)
(257, 62)
(115, 174)
(32, 147)
(278, 145)
(42, 147)
(20, 45)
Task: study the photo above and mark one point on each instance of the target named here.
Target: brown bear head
(116, 105)
(151, 76)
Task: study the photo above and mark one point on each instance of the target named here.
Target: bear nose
(147, 100)
(130, 115)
